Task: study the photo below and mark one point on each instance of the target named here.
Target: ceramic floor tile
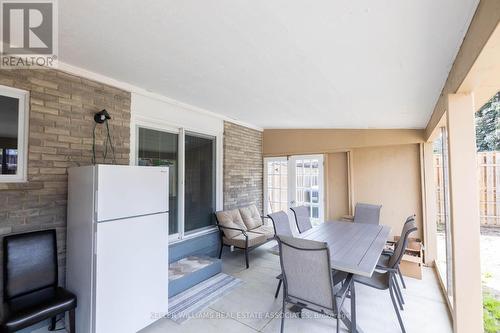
(251, 303)
(252, 307)
(208, 321)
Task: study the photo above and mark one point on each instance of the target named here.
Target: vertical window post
(464, 204)
(182, 183)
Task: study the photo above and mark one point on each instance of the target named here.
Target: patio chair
(302, 218)
(387, 279)
(367, 213)
(309, 281)
(384, 258)
(282, 227)
(383, 263)
(281, 224)
(243, 228)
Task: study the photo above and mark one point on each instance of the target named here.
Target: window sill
(12, 180)
(204, 232)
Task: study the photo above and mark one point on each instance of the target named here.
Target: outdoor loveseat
(243, 228)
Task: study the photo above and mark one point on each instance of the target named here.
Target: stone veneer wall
(60, 136)
(243, 166)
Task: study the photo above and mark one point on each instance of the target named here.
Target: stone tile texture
(243, 166)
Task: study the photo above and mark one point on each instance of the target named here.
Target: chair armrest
(387, 254)
(263, 220)
(242, 231)
(347, 218)
(386, 269)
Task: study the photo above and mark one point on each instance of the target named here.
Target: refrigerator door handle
(95, 203)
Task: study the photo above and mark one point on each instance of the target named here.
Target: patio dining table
(354, 248)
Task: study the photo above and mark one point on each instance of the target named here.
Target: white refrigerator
(117, 246)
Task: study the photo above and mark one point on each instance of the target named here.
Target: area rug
(189, 303)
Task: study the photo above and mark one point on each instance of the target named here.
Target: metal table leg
(348, 318)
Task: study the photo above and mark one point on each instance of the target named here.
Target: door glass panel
(307, 191)
(157, 148)
(300, 180)
(277, 185)
(275, 197)
(307, 197)
(9, 125)
(284, 195)
(315, 212)
(315, 197)
(444, 254)
(307, 180)
(199, 187)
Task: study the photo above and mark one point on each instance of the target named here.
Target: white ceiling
(276, 63)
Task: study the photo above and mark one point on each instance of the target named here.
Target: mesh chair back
(408, 228)
(366, 213)
(281, 224)
(302, 218)
(307, 275)
(408, 219)
(30, 262)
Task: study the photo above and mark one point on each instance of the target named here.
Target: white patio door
(306, 185)
(275, 185)
(294, 181)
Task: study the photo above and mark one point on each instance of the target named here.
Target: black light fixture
(101, 116)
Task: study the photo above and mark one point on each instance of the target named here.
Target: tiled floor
(251, 307)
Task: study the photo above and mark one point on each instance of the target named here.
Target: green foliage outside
(488, 126)
(488, 139)
(491, 307)
(491, 314)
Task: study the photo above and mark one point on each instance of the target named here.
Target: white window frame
(21, 175)
(181, 132)
(180, 166)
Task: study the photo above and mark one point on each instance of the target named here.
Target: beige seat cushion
(251, 217)
(239, 241)
(231, 219)
(266, 230)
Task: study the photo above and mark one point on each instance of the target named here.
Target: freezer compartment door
(127, 191)
(131, 273)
